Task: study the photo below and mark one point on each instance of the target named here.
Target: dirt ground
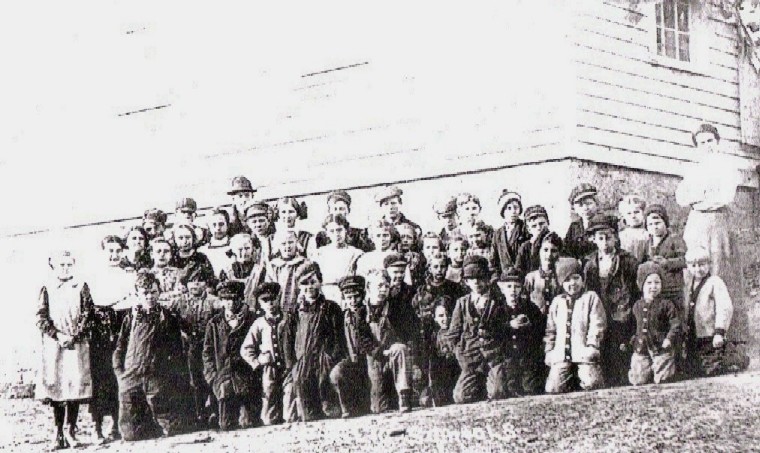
(719, 414)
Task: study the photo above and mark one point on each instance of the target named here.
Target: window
(673, 31)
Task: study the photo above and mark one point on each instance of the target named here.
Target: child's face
(243, 251)
(63, 267)
(457, 252)
(288, 215)
(699, 269)
(633, 215)
(336, 207)
(161, 254)
(241, 199)
(586, 207)
(288, 247)
(468, 212)
(447, 222)
(230, 305)
(605, 240)
(656, 226)
(382, 239)
(652, 286)
(196, 288)
(185, 217)
(397, 274)
(573, 285)
(113, 251)
(548, 254)
(512, 211)
(218, 226)
(135, 240)
(258, 225)
(183, 238)
(511, 291)
(437, 269)
(310, 287)
(352, 300)
(269, 304)
(430, 247)
(377, 290)
(536, 226)
(152, 228)
(406, 236)
(477, 237)
(147, 296)
(441, 317)
(391, 207)
(336, 232)
(478, 286)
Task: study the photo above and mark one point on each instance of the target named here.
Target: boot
(404, 402)
(70, 436)
(59, 442)
(97, 435)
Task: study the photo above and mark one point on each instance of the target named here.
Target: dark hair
(439, 256)
(222, 212)
(705, 128)
(300, 207)
(112, 239)
(139, 229)
(146, 279)
(335, 218)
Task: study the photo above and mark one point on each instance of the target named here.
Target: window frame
(698, 57)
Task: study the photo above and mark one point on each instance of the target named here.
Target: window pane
(683, 47)
(669, 13)
(683, 15)
(658, 13)
(670, 43)
(659, 41)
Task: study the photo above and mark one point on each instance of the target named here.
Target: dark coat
(196, 263)
(359, 339)
(504, 249)
(673, 249)
(223, 366)
(355, 237)
(424, 301)
(478, 337)
(525, 342)
(402, 315)
(576, 243)
(655, 321)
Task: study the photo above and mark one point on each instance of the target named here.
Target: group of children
(250, 320)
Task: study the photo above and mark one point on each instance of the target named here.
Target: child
(468, 209)
(668, 251)
(241, 194)
(150, 366)
(477, 332)
(446, 212)
(657, 329)
(167, 275)
(349, 377)
(383, 235)
(389, 364)
(634, 238)
(230, 378)
(524, 334)
(441, 367)
(575, 329)
(707, 314)
(477, 235)
(611, 274)
(542, 285)
(154, 223)
(289, 210)
(339, 203)
(336, 259)
(584, 205)
(508, 238)
(242, 259)
(315, 341)
(218, 248)
(408, 241)
(187, 259)
(389, 200)
(185, 213)
(136, 256)
(281, 269)
(436, 285)
(257, 218)
(431, 245)
(457, 251)
(263, 350)
(528, 259)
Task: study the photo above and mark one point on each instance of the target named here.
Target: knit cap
(645, 270)
(567, 267)
(658, 210)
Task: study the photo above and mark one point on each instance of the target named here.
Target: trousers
(478, 382)
(351, 383)
(150, 409)
(649, 367)
(388, 377)
(566, 376)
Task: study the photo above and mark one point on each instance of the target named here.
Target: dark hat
(187, 205)
(306, 270)
(230, 290)
(352, 284)
(270, 289)
(240, 184)
(339, 195)
(475, 266)
(507, 196)
(511, 274)
(601, 221)
(658, 210)
(551, 236)
(394, 259)
(256, 209)
(567, 267)
(532, 212)
(580, 191)
(446, 208)
(155, 215)
(387, 192)
(645, 270)
(113, 239)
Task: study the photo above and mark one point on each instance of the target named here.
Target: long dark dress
(104, 330)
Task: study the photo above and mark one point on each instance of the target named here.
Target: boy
(314, 339)
(154, 223)
(575, 329)
(400, 297)
(657, 328)
(415, 268)
(477, 332)
(440, 364)
(508, 238)
(468, 209)
(477, 236)
(383, 235)
(241, 194)
(668, 251)
(634, 238)
(389, 199)
(187, 259)
(150, 367)
(707, 313)
(389, 364)
(524, 334)
(431, 245)
(542, 285)
(257, 219)
(446, 211)
(168, 276)
(528, 259)
(349, 377)
(282, 269)
(584, 205)
(263, 350)
(611, 274)
(457, 251)
(436, 285)
(217, 250)
(231, 379)
(339, 203)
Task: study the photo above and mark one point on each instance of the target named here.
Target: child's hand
(265, 358)
(518, 322)
(666, 344)
(623, 347)
(718, 341)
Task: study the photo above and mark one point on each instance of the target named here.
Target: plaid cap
(387, 192)
(394, 259)
(240, 184)
(580, 191)
(230, 290)
(187, 205)
(531, 212)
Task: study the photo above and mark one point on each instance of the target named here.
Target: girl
(288, 211)
(136, 255)
(336, 259)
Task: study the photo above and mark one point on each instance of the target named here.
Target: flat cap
(601, 221)
(230, 289)
(581, 191)
(475, 266)
(394, 259)
(531, 212)
(339, 195)
(256, 209)
(352, 284)
(240, 184)
(187, 205)
(268, 289)
(387, 192)
(305, 270)
(511, 274)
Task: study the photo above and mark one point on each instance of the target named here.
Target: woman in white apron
(63, 316)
